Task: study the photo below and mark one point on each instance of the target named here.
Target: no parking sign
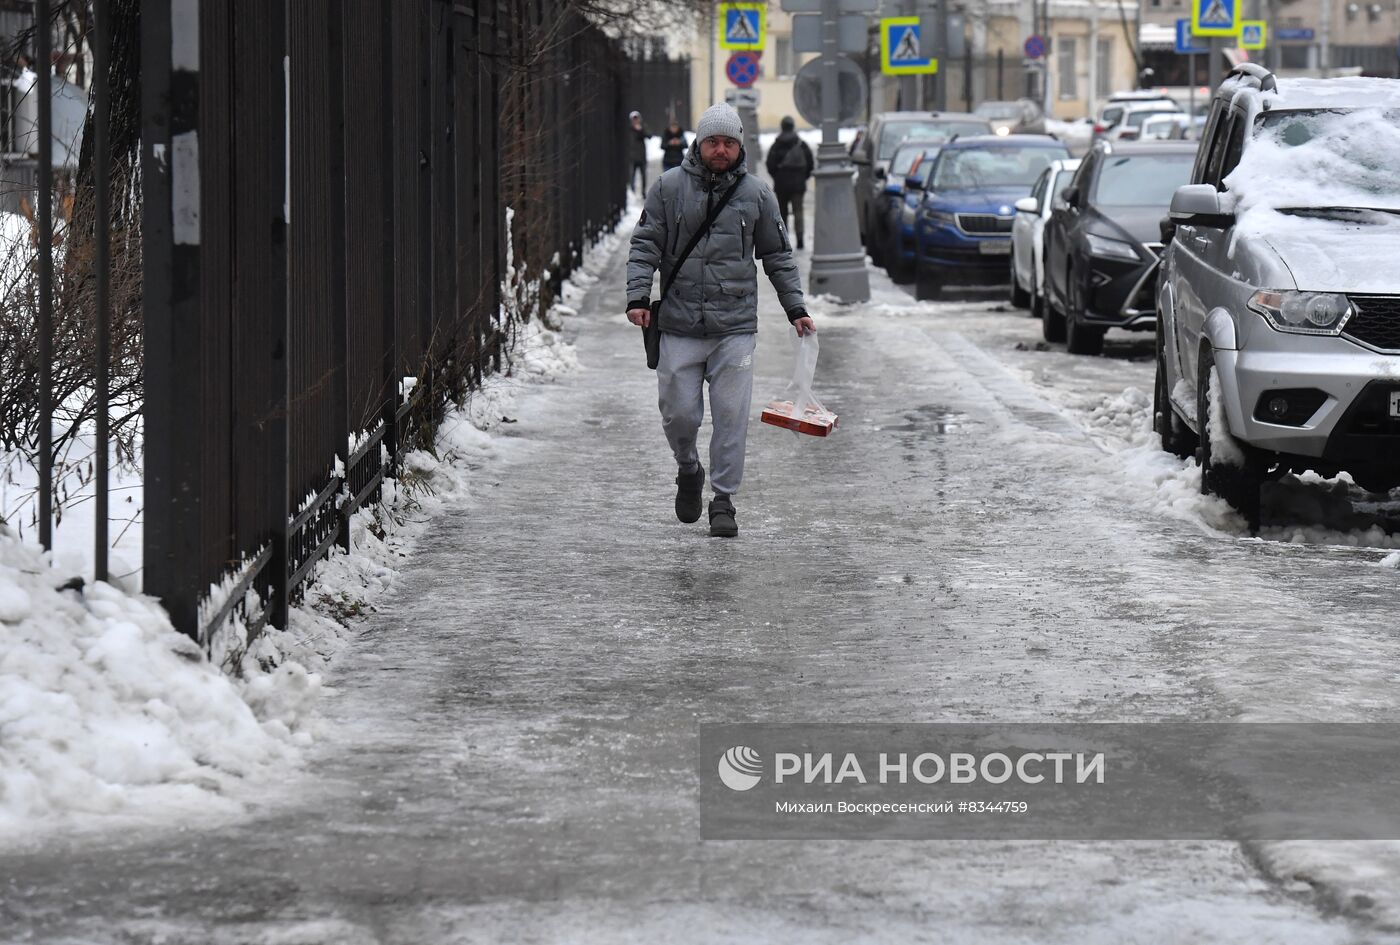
(742, 69)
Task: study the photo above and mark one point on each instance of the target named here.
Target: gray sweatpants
(727, 364)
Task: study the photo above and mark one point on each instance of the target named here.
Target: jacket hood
(1347, 253)
(787, 137)
(694, 167)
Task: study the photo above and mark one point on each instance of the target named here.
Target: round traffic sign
(1035, 47)
(742, 69)
(850, 86)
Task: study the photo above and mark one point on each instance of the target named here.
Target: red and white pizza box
(815, 421)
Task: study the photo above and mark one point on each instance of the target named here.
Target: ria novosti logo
(740, 768)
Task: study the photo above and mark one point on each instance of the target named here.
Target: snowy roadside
(109, 718)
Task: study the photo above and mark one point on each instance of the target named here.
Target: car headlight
(1111, 248)
(1303, 313)
(940, 217)
(1003, 130)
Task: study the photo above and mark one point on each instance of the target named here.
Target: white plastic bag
(803, 413)
(804, 371)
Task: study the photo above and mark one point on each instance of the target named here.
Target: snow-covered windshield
(992, 167)
(896, 131)
(1142, 180)
(1315, 158)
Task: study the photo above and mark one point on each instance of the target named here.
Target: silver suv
(1278, 335)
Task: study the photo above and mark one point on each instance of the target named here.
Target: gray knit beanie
(720, 119)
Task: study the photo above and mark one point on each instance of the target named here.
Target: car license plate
(995, 248)
(1395, 403)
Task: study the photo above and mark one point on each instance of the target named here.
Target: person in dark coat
(637, 148)
(673, 145)
(789, 165)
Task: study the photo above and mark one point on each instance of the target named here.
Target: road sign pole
(1217, 53)
(838, 261)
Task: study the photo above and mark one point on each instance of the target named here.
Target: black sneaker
(688, 488)
(722, 524)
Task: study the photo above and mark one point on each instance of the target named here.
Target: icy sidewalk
(510, 752)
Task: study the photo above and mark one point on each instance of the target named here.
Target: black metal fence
(343, 210)
(326, 185)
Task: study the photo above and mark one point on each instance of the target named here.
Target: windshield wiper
(1332, 211)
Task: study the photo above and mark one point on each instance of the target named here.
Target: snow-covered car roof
(1344, 92)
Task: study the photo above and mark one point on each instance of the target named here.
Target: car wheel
(926, 284)
(901, 273)
(1052, 321)
(1230, 469)
(1020, 298)
(874, 245)
(1177, 437)
(1079, 337)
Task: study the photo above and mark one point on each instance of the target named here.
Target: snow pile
(1299, 509)
(1126, 416)
(1352, 876)
(105, 709)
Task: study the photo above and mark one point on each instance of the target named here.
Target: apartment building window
(1067, 49)
(782, 57)
(1104, 53)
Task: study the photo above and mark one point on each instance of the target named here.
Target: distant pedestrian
(709, 313)
(637, 148)
(789, 165)
(673, 145)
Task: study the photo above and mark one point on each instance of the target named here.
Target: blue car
(963, 225)
(892, 242)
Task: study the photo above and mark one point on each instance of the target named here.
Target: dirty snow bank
(1304, 509)
(108, 716)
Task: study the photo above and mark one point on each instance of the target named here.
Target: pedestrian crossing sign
(742, 25)
(1253, 34)
(901, 49)
(1215, 17)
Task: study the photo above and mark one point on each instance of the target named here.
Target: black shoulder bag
(651, 333)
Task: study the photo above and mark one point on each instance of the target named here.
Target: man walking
(637, 150)
(709, 318)
(790, 164)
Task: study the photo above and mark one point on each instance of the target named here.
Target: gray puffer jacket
(716, 292)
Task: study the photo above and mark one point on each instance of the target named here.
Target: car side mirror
(913, 183)
(1200, 205)
(1027, 205)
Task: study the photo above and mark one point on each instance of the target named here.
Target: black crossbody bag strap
(695, 239)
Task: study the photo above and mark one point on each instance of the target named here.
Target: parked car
(877, 147)
(903, 189)
(1103, 241)
(1120, 119)
(1167, 126)
(1028, 235)
(1279, 300)
(1021, 117)
(963, 224)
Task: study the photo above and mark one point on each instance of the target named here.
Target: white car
(1168, 126)
(1123, 120)
(1028, 234)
